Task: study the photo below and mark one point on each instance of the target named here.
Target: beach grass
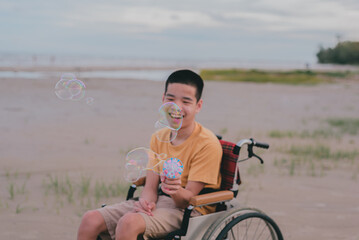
(315, 134)
(313, 152)
(76, 191)
(295, 77)
(315, 160)
(345, 125)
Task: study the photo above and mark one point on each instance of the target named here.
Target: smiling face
(185, 97)
(170, 116)
(175, 117)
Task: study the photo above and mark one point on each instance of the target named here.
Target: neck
(183, 134)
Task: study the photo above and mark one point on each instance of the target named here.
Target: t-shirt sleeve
(153, 143)
(205, 166)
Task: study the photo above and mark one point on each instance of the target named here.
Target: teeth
(174, 115)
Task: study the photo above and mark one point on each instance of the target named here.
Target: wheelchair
(230, 221)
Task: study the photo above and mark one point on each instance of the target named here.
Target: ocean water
(153, 75)
(50, 66)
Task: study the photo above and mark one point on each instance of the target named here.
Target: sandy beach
(60, 158)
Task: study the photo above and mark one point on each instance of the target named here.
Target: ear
(163, 97)
(199, 105)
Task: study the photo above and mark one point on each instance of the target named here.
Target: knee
(92, 220)
(131, 222)
(128, 220)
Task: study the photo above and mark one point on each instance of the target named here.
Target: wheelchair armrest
(196, 201)
(211, 198)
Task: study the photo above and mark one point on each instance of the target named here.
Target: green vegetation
(315, 160)
(11, 191)
(343, 53)
(296, 77)
(318, 133)
(322, 152)
(72, 190)
(18, 209)
(79, 192)
(345, 125)
(105, 190)
(316, 157)
(255, 169)
(337, 128)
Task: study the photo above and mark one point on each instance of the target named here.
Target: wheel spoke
(244, 225)
(264, 227)
(255, 232)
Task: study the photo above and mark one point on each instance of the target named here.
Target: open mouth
(175, 115)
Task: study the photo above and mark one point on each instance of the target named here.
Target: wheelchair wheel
(241, 224)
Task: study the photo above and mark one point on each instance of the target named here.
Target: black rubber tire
(265, 222)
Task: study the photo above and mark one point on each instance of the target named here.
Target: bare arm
(181, 195)
(148, 198)
(151, 187)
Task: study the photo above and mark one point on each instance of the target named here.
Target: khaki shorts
(166, 217)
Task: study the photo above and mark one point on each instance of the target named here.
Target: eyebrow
(184, 98)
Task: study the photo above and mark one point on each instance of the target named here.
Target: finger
(137, 205)
(167, 188)
(168, 191)
(149, 213)
(144, 204)
(171, 192)
(178, 183)
(171, 186)
(151, 206)
(164, 189)
(173, 181)
(163, 177)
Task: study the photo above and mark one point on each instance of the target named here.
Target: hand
(170, 186)
(142, 205)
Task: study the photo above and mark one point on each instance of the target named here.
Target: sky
(281, 30)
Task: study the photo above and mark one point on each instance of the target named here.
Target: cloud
(203, 27)
(145, 19)
(302, 16)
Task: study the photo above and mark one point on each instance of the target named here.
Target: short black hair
(188, 77)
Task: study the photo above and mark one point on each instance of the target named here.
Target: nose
(179, 105)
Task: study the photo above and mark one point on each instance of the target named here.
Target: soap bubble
(70, 88)
(90, 101)
(68, 76)
(140, 160)
(169, 122)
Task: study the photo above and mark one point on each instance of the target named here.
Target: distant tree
(344, 53)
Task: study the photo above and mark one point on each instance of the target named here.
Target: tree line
(343, 53)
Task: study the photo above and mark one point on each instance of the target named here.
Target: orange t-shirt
(201, 156)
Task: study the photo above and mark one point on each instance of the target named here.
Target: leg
(130, 226)
(92, 224)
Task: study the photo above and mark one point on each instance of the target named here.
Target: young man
(155, 215)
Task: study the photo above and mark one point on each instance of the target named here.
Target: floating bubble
(90, 101)
(140, 160)
(70, 88)
(169, 122)
(61, 90)
(133, 172)
(137, 162)
(68, 76)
